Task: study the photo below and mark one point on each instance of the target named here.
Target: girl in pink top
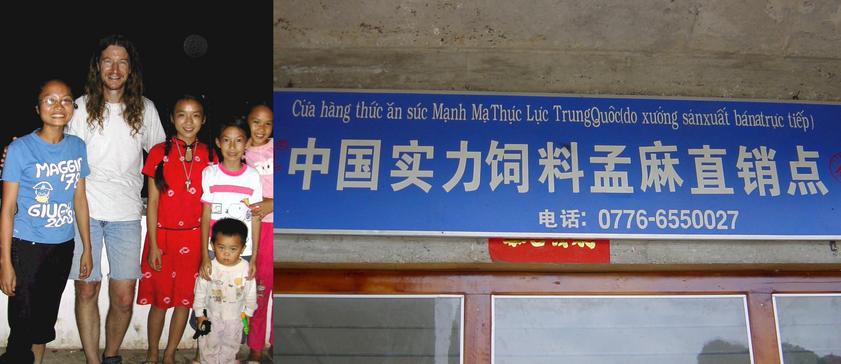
(260, 156)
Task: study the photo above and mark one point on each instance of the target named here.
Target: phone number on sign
(669, 219)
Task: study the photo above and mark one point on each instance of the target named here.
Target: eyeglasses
(53, 100)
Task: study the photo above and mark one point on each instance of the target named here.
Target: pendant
(187, 183)
(188, 156)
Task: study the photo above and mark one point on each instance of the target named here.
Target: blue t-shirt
(47, 175)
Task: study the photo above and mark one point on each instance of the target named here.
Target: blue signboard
(483, 164)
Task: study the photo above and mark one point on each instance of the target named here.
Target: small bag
(204, 329)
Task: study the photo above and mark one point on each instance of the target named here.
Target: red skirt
(175, 283)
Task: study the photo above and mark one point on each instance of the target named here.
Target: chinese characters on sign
(510, 165)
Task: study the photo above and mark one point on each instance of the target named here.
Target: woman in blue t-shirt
(43, 193)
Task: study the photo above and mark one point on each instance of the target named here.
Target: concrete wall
(755, 49)
(768, 49)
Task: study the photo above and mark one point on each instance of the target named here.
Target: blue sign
(482, 164)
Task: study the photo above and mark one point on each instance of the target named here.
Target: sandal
(112, 359)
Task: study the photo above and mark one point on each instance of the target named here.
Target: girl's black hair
(237, 122)
(160, 181)
(251, 105)
(40, 88)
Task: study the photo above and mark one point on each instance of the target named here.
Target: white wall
(67, 336)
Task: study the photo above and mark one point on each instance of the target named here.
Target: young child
(228, 190)
(260, 156)
(43, 195)
(172, 252)
(228, 295)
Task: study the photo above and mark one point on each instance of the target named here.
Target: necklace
(189, 156)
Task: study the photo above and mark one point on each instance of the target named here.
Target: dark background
(46, 40)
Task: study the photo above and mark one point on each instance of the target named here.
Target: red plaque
(576, 251)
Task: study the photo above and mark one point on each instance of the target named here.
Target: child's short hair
(229, 227)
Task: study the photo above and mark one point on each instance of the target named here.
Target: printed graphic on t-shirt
(237, 210)
(57, 214)
(42, 191)
(227, 292)
(265, 167)
(68, 169)
(216, 294)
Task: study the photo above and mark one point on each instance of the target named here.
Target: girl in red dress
(172, 252)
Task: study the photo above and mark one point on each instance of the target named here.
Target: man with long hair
(117, 123)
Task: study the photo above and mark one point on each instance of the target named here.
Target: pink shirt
(261, 158)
